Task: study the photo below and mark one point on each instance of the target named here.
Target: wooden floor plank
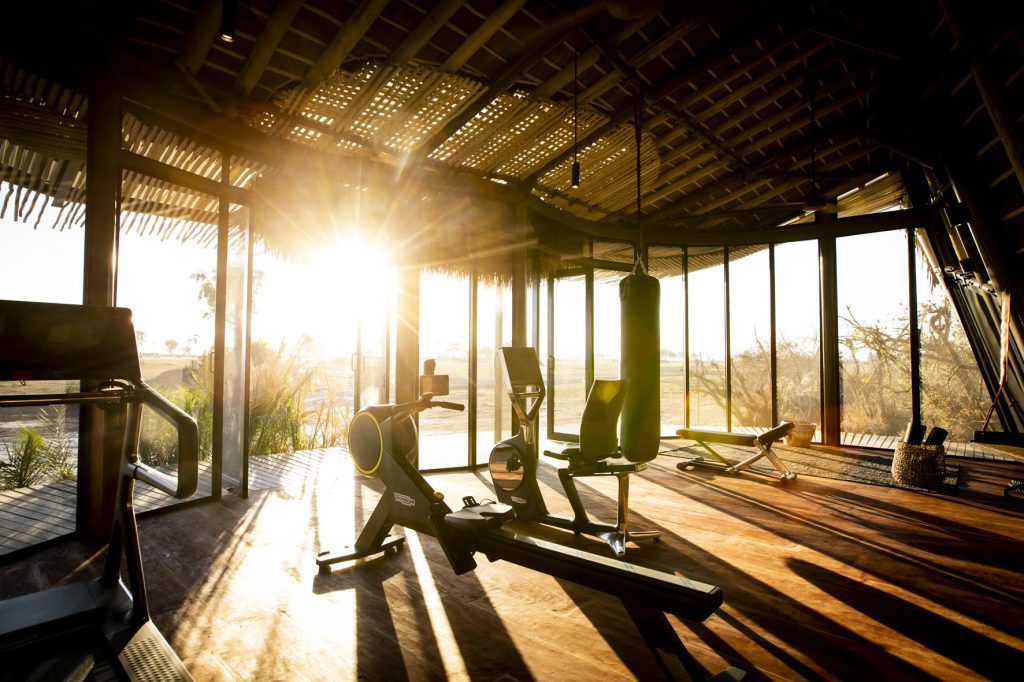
(822, 579)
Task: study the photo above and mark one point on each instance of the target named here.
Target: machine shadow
(803, 627)
(942, 584)
(399, 612)
(986, 656)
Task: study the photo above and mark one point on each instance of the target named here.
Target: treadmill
(97, 629)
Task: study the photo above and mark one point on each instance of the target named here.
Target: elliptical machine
(513, 462)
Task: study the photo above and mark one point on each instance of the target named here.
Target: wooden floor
(822, 579)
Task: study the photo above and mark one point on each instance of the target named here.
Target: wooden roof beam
(683, 174)
(344, 41)
(762, 124)
(664, 88)
(200, 36)
(764, 164)
(482, 34)
(654, 102)
(270, 37)
(733, 96)
(424, 31)
(543, 42)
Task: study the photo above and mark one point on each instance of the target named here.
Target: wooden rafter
(478, 38)
(424, 31)
(274, 30)
(530, 55)
(344, 41)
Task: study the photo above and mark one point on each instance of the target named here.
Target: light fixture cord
(575, 87)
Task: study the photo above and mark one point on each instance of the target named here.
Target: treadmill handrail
(184, 485)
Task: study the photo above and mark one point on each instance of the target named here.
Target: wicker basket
(922, 466)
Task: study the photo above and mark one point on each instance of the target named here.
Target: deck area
(822, 579)
(41, 513)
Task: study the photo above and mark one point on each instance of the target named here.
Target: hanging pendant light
(228, 15)
(575, 123)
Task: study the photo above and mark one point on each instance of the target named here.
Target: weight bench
(763, 443)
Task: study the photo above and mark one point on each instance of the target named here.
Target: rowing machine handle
(448, 406)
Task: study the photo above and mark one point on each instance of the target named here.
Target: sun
(329, 297)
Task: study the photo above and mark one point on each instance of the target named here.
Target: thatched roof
(752, 111)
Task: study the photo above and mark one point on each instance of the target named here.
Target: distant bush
(875, 378)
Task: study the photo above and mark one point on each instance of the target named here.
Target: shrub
(25, 464)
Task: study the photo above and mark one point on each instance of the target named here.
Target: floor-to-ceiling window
(953, 392)
(40, 260)
(874, 335)
(672, 319)
(493, 330)
(567, 383)
(750, 340)
(444, 338)
(607, 324)
(707, 357)
(797, 332)
(321, 331)
(167, 275)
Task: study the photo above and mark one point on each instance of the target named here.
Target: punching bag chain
(640, 263)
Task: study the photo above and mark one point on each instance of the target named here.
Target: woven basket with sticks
(922, 466)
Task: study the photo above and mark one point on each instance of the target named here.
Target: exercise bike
(383, 443)
(514, 461)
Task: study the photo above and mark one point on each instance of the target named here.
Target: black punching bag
(641, 358)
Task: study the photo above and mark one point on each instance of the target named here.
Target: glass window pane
(444, 337)
(953, 393)
(568, 391)
(40, 260)
(750, 342)
(607, 324)
(167, 275)
(494, 413)
(707, 339)
(672, 333)
(302, 387)
(797, 332)
(235, 347)
(543, 350)
(874, 342)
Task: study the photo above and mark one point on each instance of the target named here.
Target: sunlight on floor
(454, 666)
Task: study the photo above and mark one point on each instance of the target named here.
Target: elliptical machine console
(513, 461)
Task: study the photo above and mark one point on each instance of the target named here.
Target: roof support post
(97, 436)
(830, 368)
